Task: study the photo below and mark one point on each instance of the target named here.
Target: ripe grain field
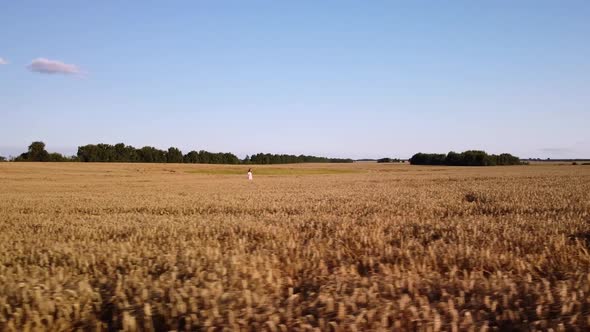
(353, 247)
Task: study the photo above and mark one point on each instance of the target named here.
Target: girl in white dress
(250, 174)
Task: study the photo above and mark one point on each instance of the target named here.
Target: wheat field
(355, 247)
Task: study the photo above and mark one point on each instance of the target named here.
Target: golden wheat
(140, 247)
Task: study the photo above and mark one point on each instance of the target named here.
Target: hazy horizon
(14, 152)
(337, 79)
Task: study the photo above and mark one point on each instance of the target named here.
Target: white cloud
(46, 66)
(3, 62)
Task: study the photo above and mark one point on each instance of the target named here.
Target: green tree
(191, 157)
(428, 159)
(56, 157)
(149, 154)
(122, 153)
(37, 152)
(476, 158)
(174, 155)
(453, 159)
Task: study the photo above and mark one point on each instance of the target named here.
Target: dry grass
(374, 247)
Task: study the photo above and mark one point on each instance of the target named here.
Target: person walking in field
(250, 174)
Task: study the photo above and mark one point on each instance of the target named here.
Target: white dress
(250, 176)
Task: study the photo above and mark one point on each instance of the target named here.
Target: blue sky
(335, 78)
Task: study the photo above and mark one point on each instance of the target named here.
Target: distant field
(330, 247)
(558, 162)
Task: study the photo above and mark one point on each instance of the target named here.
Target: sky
(358, 79)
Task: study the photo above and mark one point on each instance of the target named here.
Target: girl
(250, 174)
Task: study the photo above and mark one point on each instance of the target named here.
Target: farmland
(347, 247)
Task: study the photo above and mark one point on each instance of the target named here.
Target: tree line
(467, 158)
(267, 158)
(128, 154)
(389, 160)
(148, 154)
(37, 152)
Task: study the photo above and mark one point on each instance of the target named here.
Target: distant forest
(467, 158)
(128, 154)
